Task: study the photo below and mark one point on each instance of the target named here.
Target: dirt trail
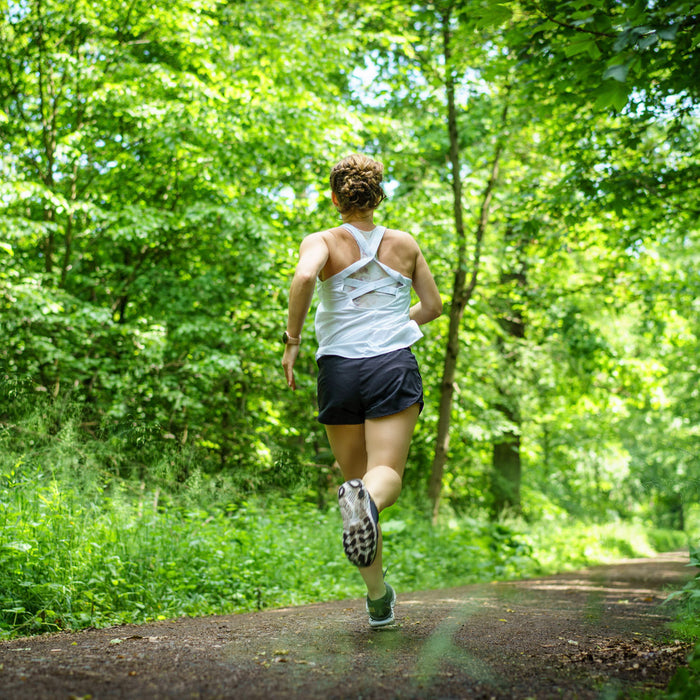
(589, 634)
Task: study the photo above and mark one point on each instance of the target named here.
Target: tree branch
(573, 27)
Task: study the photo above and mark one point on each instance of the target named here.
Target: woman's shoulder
(329, 233)
(326, 235)
(400, 237)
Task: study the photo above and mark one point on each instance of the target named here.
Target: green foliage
(685, 683)
(688, 599)
(145, 218)
(668, 540)
(612, 48)
(80, 547)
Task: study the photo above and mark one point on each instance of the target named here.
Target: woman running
(369, 386)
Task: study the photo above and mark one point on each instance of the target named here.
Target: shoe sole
(389, 620)
(360, 534)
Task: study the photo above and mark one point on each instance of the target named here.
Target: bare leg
(375, 452)
(387, 442)
(348, 447)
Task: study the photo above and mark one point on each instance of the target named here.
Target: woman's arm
(313, 255)
(430, 305)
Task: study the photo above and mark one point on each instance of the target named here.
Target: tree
(150, 155)
(507, 463)
(614, 48)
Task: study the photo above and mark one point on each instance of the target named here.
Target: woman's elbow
(435, 309)
(305, 277)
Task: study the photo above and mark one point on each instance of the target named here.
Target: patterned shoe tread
(360, 532)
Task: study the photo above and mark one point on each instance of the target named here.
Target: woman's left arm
(430, 305)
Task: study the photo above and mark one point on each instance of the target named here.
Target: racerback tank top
(363, 309)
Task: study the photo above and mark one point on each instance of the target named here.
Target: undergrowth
(82, 545)
(685, 684)
(76, 552)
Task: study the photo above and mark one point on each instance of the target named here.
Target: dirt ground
(599, 633)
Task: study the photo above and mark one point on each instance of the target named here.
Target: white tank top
(363, 309)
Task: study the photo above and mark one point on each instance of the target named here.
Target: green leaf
(583, 46)
(669, 33)
(648, 41)
(622, 41)
(618, 73)
(494, 14)
(612, 94)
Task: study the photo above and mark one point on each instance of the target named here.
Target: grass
(81, 546)
(78, 551)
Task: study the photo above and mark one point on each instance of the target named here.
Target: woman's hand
(288, 359)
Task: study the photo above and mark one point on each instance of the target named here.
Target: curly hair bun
(357, 183)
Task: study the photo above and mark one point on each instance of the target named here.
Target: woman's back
(397, 250)
(363, 308)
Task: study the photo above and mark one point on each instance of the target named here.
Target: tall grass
(71, 558)
(81, 546)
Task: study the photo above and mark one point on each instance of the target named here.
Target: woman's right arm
(313, 255)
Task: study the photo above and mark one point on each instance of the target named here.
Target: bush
(668, 540)
(685, 684)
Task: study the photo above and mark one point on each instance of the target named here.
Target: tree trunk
(48, 110)
(462, 290)
(458, 287)
(507, 468)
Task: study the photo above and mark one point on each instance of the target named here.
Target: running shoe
(360, 523)
(381, 611)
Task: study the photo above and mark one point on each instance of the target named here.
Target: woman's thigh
(388, 439)
(378, 442)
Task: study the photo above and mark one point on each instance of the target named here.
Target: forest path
(590, 634)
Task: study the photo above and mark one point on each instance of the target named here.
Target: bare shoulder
(401, 239)
(316, 236)
(327, 236)
(400, 236)
(314, 240)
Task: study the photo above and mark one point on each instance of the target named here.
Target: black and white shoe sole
(360, 531)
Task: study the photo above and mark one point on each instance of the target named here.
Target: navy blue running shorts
(351, 390)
